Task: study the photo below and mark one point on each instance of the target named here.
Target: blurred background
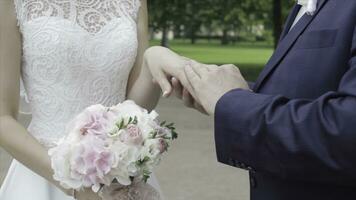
(241, 32)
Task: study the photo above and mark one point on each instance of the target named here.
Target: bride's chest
(52, 43)
(71, 43)
(78, 34)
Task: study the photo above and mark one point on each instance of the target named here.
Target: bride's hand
(167, 69)
(184, 95)
(164, 64)
(87, 194)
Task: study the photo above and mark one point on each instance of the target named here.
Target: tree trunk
(192, 35)
(177, 31)
(164, 40)
(277, 20)
(225, 39)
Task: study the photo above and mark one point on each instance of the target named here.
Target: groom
(295, 130)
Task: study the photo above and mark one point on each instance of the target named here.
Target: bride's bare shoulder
(7, 13)
(6, 2)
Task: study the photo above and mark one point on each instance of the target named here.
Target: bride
(69, 54)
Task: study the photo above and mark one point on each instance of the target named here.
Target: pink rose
(132, 135)
(162, 131)
(162, 145)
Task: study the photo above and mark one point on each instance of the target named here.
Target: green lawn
(250, 58)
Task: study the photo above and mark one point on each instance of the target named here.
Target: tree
(163, 14)
(236, 15)
(188, 18)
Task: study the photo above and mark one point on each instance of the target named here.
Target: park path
(190, 171)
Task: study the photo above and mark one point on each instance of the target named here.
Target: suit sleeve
(292, 138)
(251, 85)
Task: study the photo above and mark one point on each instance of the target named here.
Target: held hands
(199, 86)
(209, 84)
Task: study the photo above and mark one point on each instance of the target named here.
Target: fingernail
(165, 94)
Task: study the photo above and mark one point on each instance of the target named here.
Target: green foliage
(232, 18)
(249, 57)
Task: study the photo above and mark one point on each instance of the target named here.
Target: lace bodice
(75, 53)
(91, 15)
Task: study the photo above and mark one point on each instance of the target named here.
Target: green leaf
(146, 175)
(145, 178)
(122, 123)
(153, 134)
(174, 135)
(142, 161)
(135, 120)
(170, 125)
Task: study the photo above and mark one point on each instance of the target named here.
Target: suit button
(253, 182)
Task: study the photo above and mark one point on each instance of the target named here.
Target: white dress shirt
(300, 14)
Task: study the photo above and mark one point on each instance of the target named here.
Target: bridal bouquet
(105, 145)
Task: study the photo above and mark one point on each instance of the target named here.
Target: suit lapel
(290, 20)
(286, 43)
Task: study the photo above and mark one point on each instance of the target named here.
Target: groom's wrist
(235, 91)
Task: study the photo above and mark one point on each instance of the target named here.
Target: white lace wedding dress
(75, 53)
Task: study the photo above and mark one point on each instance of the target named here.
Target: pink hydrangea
(93, 120)
(91, 161)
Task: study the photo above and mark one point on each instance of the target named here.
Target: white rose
(60, 163)
(153, 150)
(128, 109)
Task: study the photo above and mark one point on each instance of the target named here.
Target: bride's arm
(13, 136)
(141, 87)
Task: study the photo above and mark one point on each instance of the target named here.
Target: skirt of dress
(21, 183)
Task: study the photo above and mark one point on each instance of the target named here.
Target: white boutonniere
(310, 5)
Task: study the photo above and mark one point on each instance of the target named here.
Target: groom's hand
(210, 84)
(183, 94)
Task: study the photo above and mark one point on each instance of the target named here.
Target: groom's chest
(314, 62)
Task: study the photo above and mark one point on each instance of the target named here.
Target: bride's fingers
(200, 69)
(163, 82)
(177, 87)
(211, 67)
(200, 108)
(184, 81)
(190, 102)
(187, 99)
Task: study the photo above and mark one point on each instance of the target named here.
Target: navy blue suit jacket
(296, 133)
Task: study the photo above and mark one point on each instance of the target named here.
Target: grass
(249, 57)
